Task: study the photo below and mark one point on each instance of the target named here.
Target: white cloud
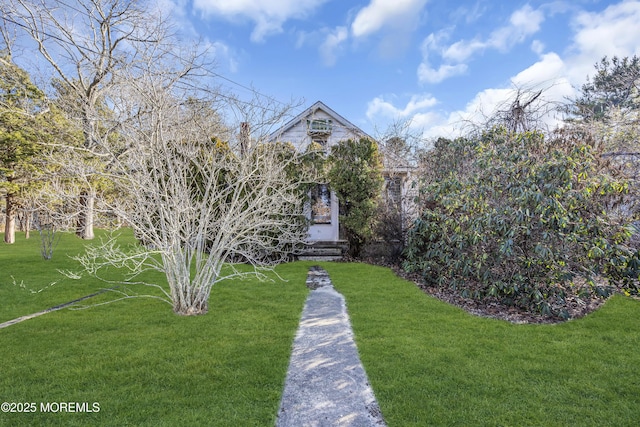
(417, 112)
(548, 74)
(333, 43)
(381, 13)
(177, 12)
(469, 14)
(548, 69)
(614, 29)
(462, 50)
(522, 23)
(434, 42)
(537, 46)
(268, 16)
(378, 107)
(427, 74)
(223, 55)
(612, 32)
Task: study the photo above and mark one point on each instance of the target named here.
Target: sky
(434, 63)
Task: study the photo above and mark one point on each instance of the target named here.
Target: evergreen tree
(615, 86)
(355, 174)
(22, 105)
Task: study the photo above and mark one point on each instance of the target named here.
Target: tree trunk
(84, 228)
(193, 310)
(188, 299)
(190, 302)
(27, 225)
(10, 220)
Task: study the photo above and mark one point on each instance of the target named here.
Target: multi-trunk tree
(153, 129)
(200, 195)
(199, 206)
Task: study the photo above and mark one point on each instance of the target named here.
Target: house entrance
(324, 214)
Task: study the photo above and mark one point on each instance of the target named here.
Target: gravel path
(326, 384)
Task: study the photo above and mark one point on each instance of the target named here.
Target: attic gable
(318, 119)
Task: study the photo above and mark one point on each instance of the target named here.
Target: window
(322, 142)
(319, 126)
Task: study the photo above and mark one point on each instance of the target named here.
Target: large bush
(523, 219)
(355, 174)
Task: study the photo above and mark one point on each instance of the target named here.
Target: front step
(319, 258)
(323, 251)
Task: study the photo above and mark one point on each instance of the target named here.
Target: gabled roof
(309, 112)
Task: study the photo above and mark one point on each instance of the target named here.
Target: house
(323, 126)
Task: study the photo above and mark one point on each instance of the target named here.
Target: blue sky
(437, 63)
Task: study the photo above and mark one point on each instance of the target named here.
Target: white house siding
(299, 137)
(297, 133)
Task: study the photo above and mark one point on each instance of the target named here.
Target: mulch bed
(492, 308)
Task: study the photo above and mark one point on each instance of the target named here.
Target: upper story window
(319, 126)
(321, 142)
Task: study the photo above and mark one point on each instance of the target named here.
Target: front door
(324, 214)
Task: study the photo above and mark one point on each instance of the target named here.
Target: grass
(433, 364)
(429, 363)
(22, 264)
(140, 362)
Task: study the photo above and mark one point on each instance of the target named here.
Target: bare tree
(198, 203)
(525, 111)
(87, 44)
(399, 146)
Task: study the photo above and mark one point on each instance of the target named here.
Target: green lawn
(429, 363)
(140, 362)
(22, 263)
(433, 364)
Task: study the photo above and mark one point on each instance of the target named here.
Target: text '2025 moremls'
(50, 407)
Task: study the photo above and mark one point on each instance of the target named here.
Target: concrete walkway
(326, 384)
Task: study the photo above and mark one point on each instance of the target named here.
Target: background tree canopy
(28, 121)
(615, 85)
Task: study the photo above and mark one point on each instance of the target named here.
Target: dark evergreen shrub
(523, 219)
